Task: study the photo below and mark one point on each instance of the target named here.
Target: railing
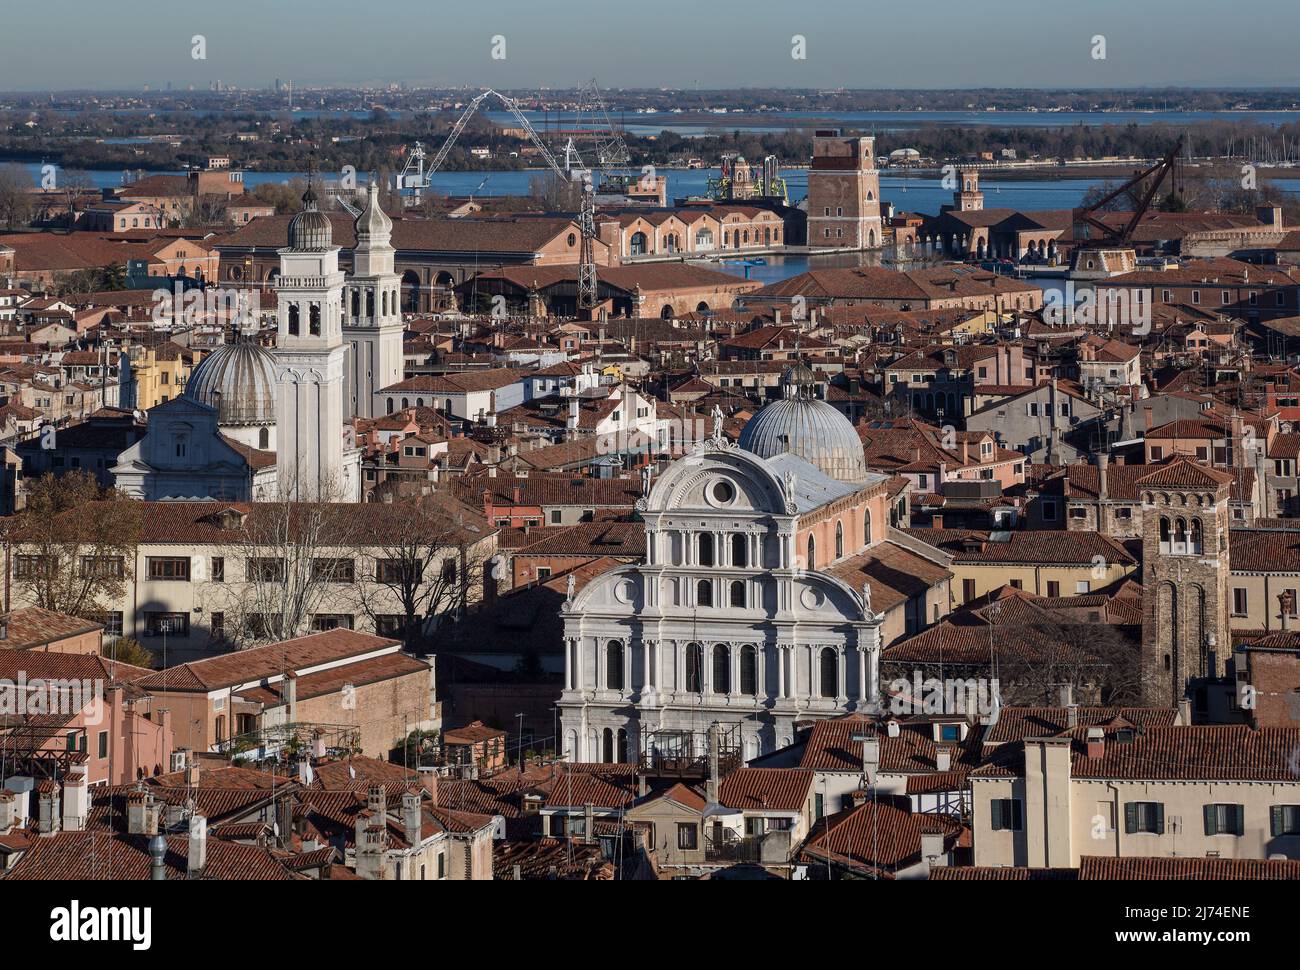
(769, 848)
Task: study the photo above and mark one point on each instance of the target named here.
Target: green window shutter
(1130, 817)
(1210, 828)
(1240, 813)
(1160, 818)
(995, 814)
(1275, 819)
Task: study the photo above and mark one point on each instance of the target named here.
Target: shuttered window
(1144, 817)
(1006, 815)
(1222, 819)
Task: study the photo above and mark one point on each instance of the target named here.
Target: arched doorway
(410, 292)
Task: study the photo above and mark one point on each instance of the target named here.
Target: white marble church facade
(724, 621)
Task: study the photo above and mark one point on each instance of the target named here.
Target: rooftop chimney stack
(157, 853)
(141, 813)
(198, 846)
(411, 818)
(1096, 742)
(932, 853)
(76, 801)
(8, 812)
(47, 808)
(942, 758)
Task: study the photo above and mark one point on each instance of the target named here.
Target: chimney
(588, 823)
(713, 784)
(8, 811)
(284, 822)
(157, 853)
(936, 520)
(76, 801)
(411, 820)
(1065, 693)
(942, 758)
(1096, 747)
(517, 494)
(1071, 716)
(192, 774)
(431, 786)
(1102, 461)
(198, 846)
(870, 758)
(141, 813)
(1184, 712)
(291, 696)
(932, 854)
(47, 807)
(891, 728)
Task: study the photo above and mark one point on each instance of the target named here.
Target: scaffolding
(685, 754)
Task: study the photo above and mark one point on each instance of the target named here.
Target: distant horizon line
(154, 88)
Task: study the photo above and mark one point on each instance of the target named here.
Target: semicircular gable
(689, 484)
(620, 589)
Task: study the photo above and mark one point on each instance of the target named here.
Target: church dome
(310, 229)
(239, 381)
(808, 428)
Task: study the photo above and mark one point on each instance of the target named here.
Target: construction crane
(417, 175)
(1085, 220)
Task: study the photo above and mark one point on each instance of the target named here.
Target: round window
(722, 492)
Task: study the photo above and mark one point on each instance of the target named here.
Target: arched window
(313, 323)
(721, 669)
(839, 540)
(694, 668)
(1196, 536)
(738, 557)
(830, 675)
(706, 549)
(620, 746)
(749, 670)
(738, 593)
(812, 553)
(614, 665)
(264, 439)
(383, 302)
(356, 303)
(1164, 530)
(704, 593)
(1180, 532)
(637, 247)
(293, 319)
(370, 303)
(866, 526)
(607, 755)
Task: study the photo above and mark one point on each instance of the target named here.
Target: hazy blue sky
(671, 43)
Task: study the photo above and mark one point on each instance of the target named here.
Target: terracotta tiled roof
(1257, 551)
(896, 575)
(30, 626)
(248, 666)
(1001, 874)
(1187, 868)
(1069, 548)
(97, 856)
(878, 837)
(770, 789)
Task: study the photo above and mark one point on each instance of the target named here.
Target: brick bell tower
(1185, 571)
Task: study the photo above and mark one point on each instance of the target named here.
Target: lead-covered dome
(310, 229)
(807, 427)
(239, 381)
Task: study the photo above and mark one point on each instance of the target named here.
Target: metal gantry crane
(417, 175)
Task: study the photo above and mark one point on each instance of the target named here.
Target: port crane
(1086, 221)
(416, 175)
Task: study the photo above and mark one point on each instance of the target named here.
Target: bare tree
(292, 555)
(15, 196)
(1098, 662)
(74, 545)
(429, 556)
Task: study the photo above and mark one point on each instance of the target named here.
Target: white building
(735, 616)
(372, 326)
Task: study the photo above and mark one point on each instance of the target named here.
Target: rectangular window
(168, 568)
(1284, 820)
(332, 570)
(103, 744)
(1222, 819)
(266, 570)
(112, 621)
(688, 835)
(1081, 587)
(173, 624)
(1053, 588)
(390, 624)
(1240, 602)
(967, 589)
(103, 567)
(555, 516)
(218, 569)
(331, 621)
(1157, 453)
(1006, 815)
(394, 570)
(1146, 817)
(33, 567)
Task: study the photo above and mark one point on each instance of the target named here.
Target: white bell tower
(372, 327)
(310, 358)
